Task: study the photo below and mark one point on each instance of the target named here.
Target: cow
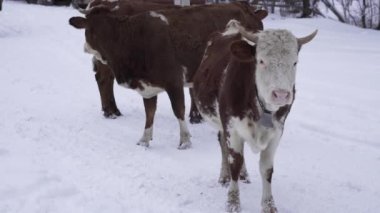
(245, 87)
(84, 3)
(1, 5)
(159, 51)
(103, 74)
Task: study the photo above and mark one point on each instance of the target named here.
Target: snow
(58, 154)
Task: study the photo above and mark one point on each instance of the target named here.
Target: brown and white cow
(103, 74)
(84, 3)
(159, 50)
(245, 86)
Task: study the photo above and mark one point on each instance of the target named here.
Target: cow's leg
(150, 105)
(105, 78)
(224, 177)
(235, 159)
(195, 116)
(177, 100)
(266, 171)
(243, 176)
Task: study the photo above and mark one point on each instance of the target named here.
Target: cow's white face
(276, 54)
(276, 58)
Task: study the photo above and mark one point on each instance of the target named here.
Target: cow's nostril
(280, 95)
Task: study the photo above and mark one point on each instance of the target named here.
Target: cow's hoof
(184, 142)
(269, 210)
(269, 206)
(224, 180)
(233, 206)
(195, 118)
(233, 203)
(112, 114)
(143, 143)
(184, 145)
(243, 177)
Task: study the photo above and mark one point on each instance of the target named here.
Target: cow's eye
(295, 63)
(261, 62)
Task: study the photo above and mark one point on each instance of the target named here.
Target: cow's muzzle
(281, 97)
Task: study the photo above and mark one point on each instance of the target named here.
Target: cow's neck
(242, 80)
(266, 117)
(124, 63)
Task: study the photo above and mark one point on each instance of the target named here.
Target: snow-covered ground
(58, 154)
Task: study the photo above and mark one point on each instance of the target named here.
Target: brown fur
(238, 93)
(236, 164)
(104, 76)
(269, 174)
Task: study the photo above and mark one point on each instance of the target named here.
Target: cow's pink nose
(280, 96)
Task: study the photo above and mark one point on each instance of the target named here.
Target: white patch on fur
(184, 135)
(278, 49)
(235, 141)
(231, 28)
(256, 135)
(96, 54)
(115, 8)
(186, 83)
(147, 135)
(158, 15)
(248, 41)
(148, 90)
(230, 159)
(209, 43)
(91, 7)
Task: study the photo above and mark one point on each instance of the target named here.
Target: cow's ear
(261, 14)
(242, 51)
(78, 22)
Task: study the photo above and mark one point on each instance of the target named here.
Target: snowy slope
(58, 154)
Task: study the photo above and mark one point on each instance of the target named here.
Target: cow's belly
(146, 90)
(149, 91)
(257, 136)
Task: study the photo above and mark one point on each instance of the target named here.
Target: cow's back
(211, 72)
(190, 28)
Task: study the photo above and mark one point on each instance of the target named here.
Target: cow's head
(95, 27)
(276, 56)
